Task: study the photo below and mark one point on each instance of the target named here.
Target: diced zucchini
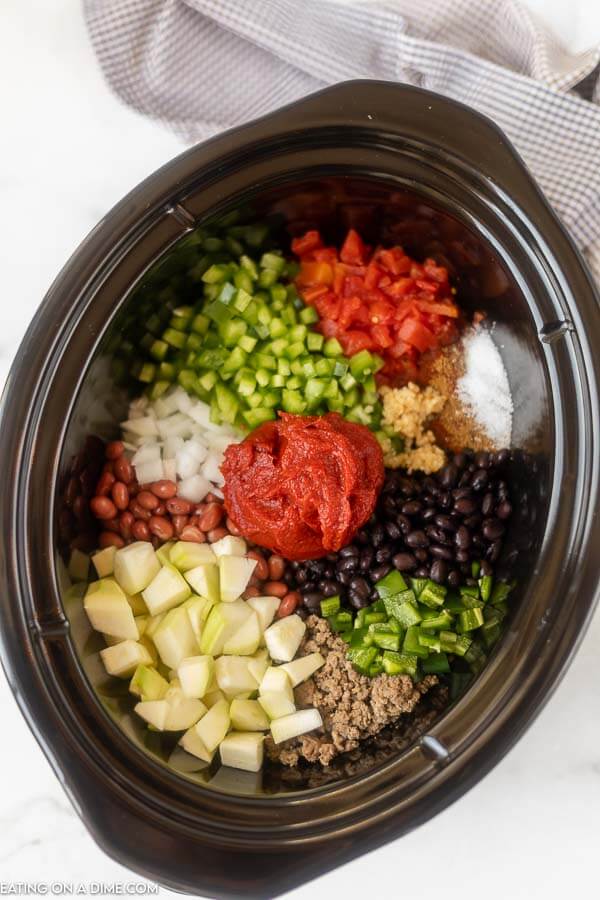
(242, 750)
(284, 637)
(295, 724)
(108, 610)
(122, 659)
(135, 566)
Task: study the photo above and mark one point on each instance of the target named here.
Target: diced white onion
(195, 488)
(153, 470)
(144, 427)
(146, 453)
(211, 470)
(170, 469)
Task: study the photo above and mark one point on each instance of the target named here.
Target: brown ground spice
(454, 428)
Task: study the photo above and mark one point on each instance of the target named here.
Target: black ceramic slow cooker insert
(438, 176)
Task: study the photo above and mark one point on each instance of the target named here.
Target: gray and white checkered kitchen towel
(202, 66)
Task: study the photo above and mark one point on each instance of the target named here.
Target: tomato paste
(303, 485)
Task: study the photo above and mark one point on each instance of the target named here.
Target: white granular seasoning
(484, 388)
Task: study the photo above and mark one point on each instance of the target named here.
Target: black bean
(329, 571)
(459, 460)
(431, 485)
(422, 572)
(457, 493)
(404, 523)
(471, 582)
(454, 578)
(480, 480)
(438, 535)
(492, 529)
(461, 556)
(417, 539)
(366, 560)
(356, 601)
(350, 550)
(309, 586)
(377, 535)
(362, 536)
(421, 555)
(439, 571)
(315, 565)
(487, 505)
(472, 522)
(441, 552)
(445, 522)
(344, 577)
(504, 510)
(393, 530)
(373, 596)
(428, 513)
(411, 508)
(502, 491)
(501, 457)
(312, 600)
(482, 459)
(464, 479)
(301, 576)
(384, 553)
(328, 588)
(465, 506)
(347, 564)
(486, 568)
(445, 500)
(404, 562)
(462, 537)
(408, 487)
(389, 505)
(360, 587)
(465, 568)
(380, 571)
(448, 475)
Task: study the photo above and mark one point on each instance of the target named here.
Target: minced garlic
(407, 410)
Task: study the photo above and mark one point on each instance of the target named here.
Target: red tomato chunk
(377, 299)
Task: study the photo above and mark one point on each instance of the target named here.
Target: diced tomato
(372, 276)
(310, 294)
(414, 332)
(382, 336)
(325, 254)
(380, 300)
(355, 341)
(307, 243)
(314, 273)
(354, 251)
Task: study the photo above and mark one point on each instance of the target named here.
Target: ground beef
(353, 706)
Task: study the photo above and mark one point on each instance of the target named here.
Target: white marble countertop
(69, 151)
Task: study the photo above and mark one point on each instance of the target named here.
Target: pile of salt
(484, 389)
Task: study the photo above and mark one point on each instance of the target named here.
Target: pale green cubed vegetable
(135, 566)
(104, 561)
(245, 641)
(234, 574)
(195, 675)
(284, 637)
(248, 715)
(148, 684)
(198, 609)
(167, 589)
(204, 579)
(258, 664)
(174, 638)
(214, 725)
(183, 711)
(185, 555)
(122, 659)
(265, 608)
(243, 750)
(275, 693)
(108, 610)
(229, 546)
(192, 743)
(164, 553)
(300, 722)
(233, 676)
(302, 668)
(222, 623)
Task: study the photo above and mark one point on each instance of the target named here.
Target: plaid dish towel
(202, 66)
